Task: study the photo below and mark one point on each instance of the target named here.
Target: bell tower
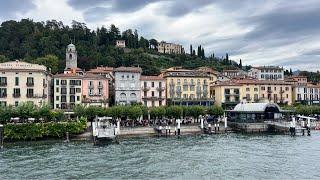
(71, 57)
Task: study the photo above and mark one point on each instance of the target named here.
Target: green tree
(215, 111)
(50, 61)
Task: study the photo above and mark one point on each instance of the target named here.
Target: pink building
(153, 91)
(95, 90)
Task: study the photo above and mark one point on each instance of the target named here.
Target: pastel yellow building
(229, 93)
(24, 82)
(187, 87)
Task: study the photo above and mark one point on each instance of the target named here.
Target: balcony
(269, 91)
(100, 86)
(29, 84)
(90, 86)
(3, 84)
(30, 95)
(3, 95)
(145, 88)
(160, 88)
(16, 95)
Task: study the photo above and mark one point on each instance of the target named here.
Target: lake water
(232, 156)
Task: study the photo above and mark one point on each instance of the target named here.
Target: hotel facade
(22, 82)
(187, 87)
(153, 91)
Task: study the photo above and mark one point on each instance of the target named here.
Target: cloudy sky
(260, 32)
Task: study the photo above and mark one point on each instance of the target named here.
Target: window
(63, 82)
(16, 103)
(247, 89)
(78, 90)
(160, 84)
(17, 81)
(227, 91)
(3, 92)
(90, 92)
(29, 92)
(72, 90)
(57, 90)
(145, 93)
(160, 103)
(3, 81)
(16, 92)
(152, 84)
(152, 103)
(63, 90)
(144, 84)
(72, 98)
(57, 106)
(57, 98)
(57, 83)
(263, 88)
(30, 81)
(152, 93)
(63, 99)
(100, 92)
(78, 98)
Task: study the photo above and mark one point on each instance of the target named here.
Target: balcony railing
(30, 84)
(16, 95)
(3, 84)
(160, 88)
(3, 95)
(145, 88)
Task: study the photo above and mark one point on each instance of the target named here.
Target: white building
(24, 82)
(153, 91)
(127, 85)
(306, 94)
(121, 43)
(67, 91)
(267, 73)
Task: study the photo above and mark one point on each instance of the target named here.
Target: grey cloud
(9, 8)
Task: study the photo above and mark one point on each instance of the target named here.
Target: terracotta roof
(68, 75)
(101, 70)
(128, 69)
(255, 81)
(93, 76)
(268, 67)
(150, 78)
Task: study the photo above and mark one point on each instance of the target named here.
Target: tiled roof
(149, 78)
(128, 69)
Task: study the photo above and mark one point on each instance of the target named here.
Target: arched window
(133, 95)
(70, 56)
(122, 96)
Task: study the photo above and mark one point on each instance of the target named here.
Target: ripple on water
(232, 156)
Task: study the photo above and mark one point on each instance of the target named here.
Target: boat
(103, 130)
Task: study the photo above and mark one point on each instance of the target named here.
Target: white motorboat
(103, 130)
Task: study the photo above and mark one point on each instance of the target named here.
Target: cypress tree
(240, 64)
(191, 51)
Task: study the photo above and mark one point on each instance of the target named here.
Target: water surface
(233, 156)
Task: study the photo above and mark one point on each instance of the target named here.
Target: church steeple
(71, 57)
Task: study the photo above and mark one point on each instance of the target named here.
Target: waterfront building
(267, 73)
(226, 93)
(121, 43)
(24, 82)
(170, 48)
(254, 113)
(67, 91)
(95, 90)
(187, 87)
(153, 91)
(127, 85)
(229, 93)
(306, 94)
